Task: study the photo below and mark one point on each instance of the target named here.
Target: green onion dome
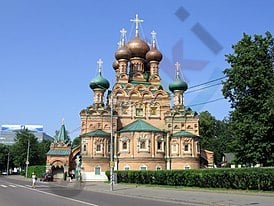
(99, 82)
(178, 84)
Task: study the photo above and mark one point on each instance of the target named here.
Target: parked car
(46, 177)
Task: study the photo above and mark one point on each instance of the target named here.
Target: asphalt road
(18, 192)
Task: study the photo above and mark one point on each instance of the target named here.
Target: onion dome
(115, 64)
(99, 82)
(154, 55)
(123, 53)
(137, 47)
(178, 84)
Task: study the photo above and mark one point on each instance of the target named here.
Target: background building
(8, 133)
(148, 133)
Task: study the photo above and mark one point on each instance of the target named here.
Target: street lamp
(27, 161)
(111, 143)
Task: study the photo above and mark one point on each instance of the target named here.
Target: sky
(49, 51)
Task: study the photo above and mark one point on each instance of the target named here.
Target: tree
(4, 151)
(43, 148)
(214, 135)
(20, 147)
(250, 89)
(76, 142)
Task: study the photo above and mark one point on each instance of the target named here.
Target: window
(159, 145)
(98, 148)
(124, 145)
(187, 167)
(175, 148)
(158, 168)
(186, 147)
(126, 168)
(85, 148)
(143, 168)
(139, 111)
(142, 145)
(97, 170)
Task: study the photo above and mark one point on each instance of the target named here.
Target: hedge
(37, 169)
(238, 178)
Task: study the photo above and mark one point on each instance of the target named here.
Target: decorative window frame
(160, 139)
(174, 148)
(143, 167)
(188, 151)
(143, 139)
(124, 140)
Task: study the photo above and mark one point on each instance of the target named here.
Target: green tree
(250, 89)
(20, 147)
(214, 135)
(4, 151)
(76, 141)
(43, 148)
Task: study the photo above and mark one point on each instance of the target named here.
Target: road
(18, 192)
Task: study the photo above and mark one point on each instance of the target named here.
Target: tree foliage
(215, 135)
(250, 90)
(4, 151)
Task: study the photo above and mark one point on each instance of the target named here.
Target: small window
(186, 147)
(187, 167)
(126, 168)
(143, 168)
(124, 147)
(158, 168)
(159, 145)
(142, 145)
(97, 170)
(85, 148)
(98, 148)
(139, 111)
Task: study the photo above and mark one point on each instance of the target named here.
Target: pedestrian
(34, 178)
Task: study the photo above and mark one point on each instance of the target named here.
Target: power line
(213, 85)
(214, 80)
(215, 100)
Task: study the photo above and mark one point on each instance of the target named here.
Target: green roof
(62, 134)
(184, 134)
(140, 126)
(59, 152)
(96, 133)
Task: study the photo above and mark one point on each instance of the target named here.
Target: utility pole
(27, 162)
(111, 142)
(8, 163)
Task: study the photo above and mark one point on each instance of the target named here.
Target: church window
(124, 147)
(158, 168)
(139, 111)
(98, 148)
(142, 145)
(126, 168)
(97, 170)
(85, 148)
(143, 167)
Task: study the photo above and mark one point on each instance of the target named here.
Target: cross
(153, 34)
(123, 35)
(63, 121)
(137, 21)
(177, 69)
(100, 63)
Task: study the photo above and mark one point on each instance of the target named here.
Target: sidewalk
(192, 197)
(186, 196)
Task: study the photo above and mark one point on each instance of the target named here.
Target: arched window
(85, 148)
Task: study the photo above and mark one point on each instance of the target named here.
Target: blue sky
(49, 50)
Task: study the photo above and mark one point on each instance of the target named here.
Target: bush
(238, 178)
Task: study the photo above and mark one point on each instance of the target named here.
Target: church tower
(148, 133)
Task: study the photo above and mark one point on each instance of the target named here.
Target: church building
(150, 128)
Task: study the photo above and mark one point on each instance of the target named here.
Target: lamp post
(8, 162)
(27, 161)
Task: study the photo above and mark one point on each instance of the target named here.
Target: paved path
(180, 195)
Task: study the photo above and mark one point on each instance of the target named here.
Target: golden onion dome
(138, 47)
